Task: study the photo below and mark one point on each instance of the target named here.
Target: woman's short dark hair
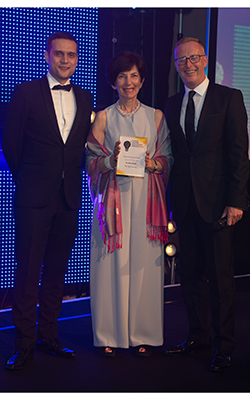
(59, 35)
(124, 61)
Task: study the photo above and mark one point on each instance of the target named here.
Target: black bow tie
(62, 87)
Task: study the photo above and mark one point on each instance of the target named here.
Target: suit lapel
(177, 114)
(49, 104)
(79, 108)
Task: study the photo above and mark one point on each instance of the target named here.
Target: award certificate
(131, 160)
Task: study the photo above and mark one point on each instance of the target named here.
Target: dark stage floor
(88, 372)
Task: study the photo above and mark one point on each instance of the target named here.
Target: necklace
(127, 114)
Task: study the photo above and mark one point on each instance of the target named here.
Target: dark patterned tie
(62, 87)
(189, 120)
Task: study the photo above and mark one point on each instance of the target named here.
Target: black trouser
(207, 255)
(42, 235)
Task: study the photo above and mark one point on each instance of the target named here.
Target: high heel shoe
(143, 350)
(107, 351)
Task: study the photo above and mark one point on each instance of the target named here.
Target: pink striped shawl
(105, 190)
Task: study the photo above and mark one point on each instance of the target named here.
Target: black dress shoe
(188, 347)
(20, 358)
(220, 361)
(54, 347)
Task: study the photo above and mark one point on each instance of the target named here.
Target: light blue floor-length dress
(126, 286)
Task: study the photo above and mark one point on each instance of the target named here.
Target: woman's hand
(112, 159)
(150, 164)
(117, 150)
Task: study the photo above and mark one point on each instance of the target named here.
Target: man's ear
(206, 61)
(46, 55)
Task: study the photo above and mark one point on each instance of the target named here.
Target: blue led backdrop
(24, 32)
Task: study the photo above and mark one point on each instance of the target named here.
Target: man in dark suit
(43, 142)
(209, 182)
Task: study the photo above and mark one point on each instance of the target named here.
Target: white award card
(131, 160)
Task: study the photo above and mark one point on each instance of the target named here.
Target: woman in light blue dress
(129, 225)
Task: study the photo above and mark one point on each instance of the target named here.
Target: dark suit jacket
(218, 166)
(34, 149)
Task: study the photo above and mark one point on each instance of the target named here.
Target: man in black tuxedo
(46, 126)
(209, 182)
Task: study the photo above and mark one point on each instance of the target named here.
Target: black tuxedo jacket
(34, 149)
(218, 167)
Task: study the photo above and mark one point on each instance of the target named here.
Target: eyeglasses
(193, 59)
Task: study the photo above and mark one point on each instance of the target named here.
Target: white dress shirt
(198, 98)
(65, 107)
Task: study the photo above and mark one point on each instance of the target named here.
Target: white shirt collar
(53, 81)
(200, 89)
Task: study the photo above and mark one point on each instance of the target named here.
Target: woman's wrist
(110, 162)
(107, 162)
(157, 167)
